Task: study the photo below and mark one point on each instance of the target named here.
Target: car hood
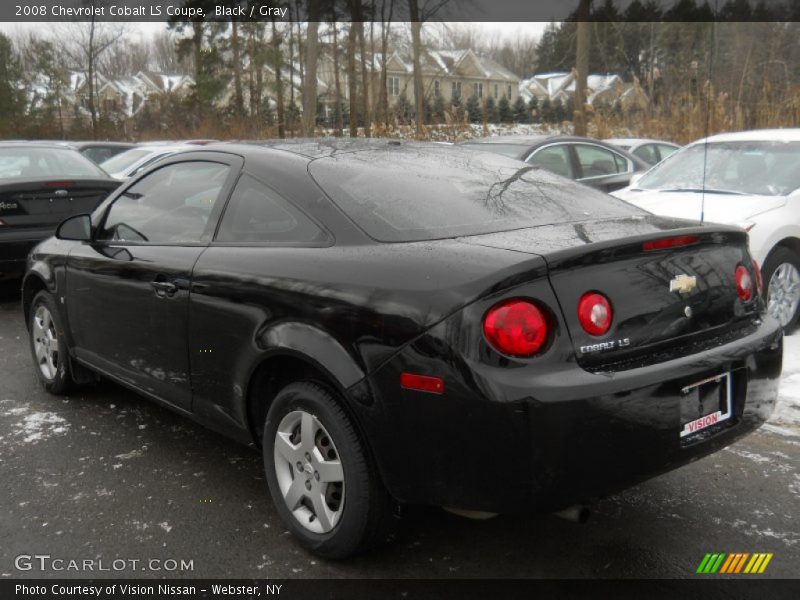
(717, 208)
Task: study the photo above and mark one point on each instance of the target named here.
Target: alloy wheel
(783, 293)
(45, 342)
(309, 471)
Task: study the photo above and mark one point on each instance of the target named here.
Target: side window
(555, 159)
(666, 151)
(255, 213)
(647, 153)
(168, 206)
(596, 161)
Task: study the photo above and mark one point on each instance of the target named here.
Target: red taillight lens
(422, 383)
(594, 313)
(744, 283)
(759, 278)
(673, 242)
(59, 184)
(515, 327)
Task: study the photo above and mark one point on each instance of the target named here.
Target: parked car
(409, 322)
(127, 164)
(585, 160)
(750, 179)
(41, 185)
(96, 151)
(650, 151)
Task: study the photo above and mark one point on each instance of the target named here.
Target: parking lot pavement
(108, 475)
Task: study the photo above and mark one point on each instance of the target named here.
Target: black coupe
(408, 323)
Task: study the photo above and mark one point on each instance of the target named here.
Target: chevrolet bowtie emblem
(683, 284)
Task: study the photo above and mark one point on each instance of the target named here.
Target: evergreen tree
(490, 108)
(438, 109)
(546, 114)
(403, 109)
(473, 108)
(521, 114)
(504, 112)
(12, 97)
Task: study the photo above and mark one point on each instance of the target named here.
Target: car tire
(305, 434)
(49, 345)
(781, 268)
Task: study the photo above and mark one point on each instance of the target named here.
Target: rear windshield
(32, 163)
(511, 150)
(410, 195)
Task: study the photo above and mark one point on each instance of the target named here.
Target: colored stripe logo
(734, 563)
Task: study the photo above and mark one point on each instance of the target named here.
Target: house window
(479, 90)
(496, 91)
(437, 89)
(508, 95)
(394, 86)
(456, 90)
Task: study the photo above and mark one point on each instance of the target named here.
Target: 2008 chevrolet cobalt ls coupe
(396, 322)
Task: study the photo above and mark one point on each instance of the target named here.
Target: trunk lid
(664, 300)
(46, 202)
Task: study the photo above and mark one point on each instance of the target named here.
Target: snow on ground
(787, 411)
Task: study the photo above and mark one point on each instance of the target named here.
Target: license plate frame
(716, 390)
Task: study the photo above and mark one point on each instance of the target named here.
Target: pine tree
(521, 114)
(491, 110)
(438, 109)
(504, 110)
(403, 109)
(547, 111)
(473, 108)
(533, 110)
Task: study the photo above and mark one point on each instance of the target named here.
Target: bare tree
(277, 60)
(85, 43)
(238, 98)
(339, 124)
(352, 88)
(416, 49)
(582, 67)
(310, 81)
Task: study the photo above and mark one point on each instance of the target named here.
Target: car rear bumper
(14, 249)
(502, 440)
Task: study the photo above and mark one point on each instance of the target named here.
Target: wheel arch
(33, 283)
(792, 243)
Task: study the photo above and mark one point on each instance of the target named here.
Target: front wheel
(48, 345)
(782, 276)
(321, 479)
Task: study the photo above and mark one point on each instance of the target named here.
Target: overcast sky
(145, 30)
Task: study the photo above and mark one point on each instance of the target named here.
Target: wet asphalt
(106, 474)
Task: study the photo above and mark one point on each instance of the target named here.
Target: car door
(128, 289)
(648, 153)
(602, 168)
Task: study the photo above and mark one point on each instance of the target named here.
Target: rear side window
(255, 213)
(647, 153)
(596, 161)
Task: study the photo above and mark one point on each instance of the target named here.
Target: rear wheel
(321, 478)
(48, 345)
(782, 278)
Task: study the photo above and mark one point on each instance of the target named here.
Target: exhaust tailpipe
(577, 513)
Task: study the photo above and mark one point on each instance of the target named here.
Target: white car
(127, 164)
(750, 179)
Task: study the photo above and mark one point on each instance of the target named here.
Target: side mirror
(76, 228)
(635, 178)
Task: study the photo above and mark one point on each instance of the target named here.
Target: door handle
(164, 288)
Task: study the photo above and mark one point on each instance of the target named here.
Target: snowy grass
(787, 411)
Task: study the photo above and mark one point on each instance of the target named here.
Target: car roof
(639, 141)
(521, 140)
(755, 135)
(37, 144)
(314, 148)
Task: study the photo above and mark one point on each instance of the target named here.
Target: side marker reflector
(422, 383)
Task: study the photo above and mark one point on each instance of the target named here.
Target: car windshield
(761, 167)
(511, 150)
(26, 162)
(395, 196)
(122, 162)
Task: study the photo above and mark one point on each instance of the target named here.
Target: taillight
(59, 184)
(759, 278)
(594, 313)
(515, 327)
(744, 283)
